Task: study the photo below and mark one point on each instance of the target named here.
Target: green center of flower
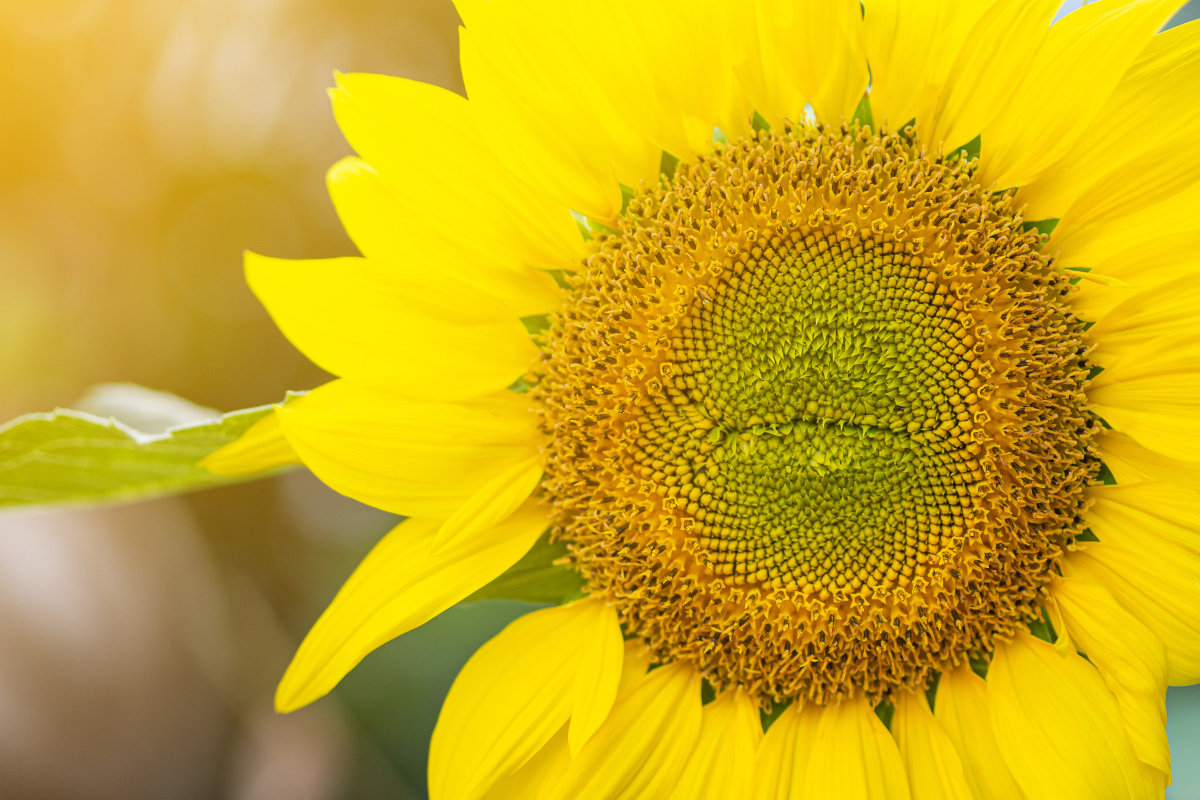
(816, 415)
(839, 388)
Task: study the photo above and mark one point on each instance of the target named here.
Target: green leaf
(535, 578)
(72, 457)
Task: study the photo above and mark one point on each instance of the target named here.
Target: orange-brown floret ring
(816, 415)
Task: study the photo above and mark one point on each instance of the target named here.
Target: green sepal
(536, 323)
(885, 711)
(1043, 628)
(759, 123)
(667, 165)
(719, 136)
(1043, 226)
(627, 195)
(69, 457)
(535, 578)
(969, 151)
(862, 113)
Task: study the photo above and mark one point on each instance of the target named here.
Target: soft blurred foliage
(144, 144)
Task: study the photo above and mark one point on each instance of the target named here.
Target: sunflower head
(820, 417)
(817, 414)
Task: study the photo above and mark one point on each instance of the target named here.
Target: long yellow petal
(1159, 587)
(1068, 82)
(961, 710)
(1059, 727)
(526, 782)
(1150, 105)
(396, 588)
(455, 194)
(420, 459)
(987, 72)
(722, 764)
(543, 112)
(262, 447)
(761, 80)
(934, 768)
(641, 749)
(350, 320)
(491, 503)
(510, 699)
(853, 757)
(1158, 411)
(1143, 231)
(1132, 463)
(667, 67)
(911, 45)
(597, 680)
(1135, 183)
(820, 47)
(1128, 515)
(1167, 310)
(1131, 659)
(467, 277)
(783, 754)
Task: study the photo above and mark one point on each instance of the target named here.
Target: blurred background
(144, 144)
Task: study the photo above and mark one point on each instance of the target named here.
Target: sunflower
(852, 352)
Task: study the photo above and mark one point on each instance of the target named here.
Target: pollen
(816, 415)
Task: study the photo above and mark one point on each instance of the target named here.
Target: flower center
(816, 415)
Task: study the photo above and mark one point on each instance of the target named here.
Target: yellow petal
(526, 782)
(410, 457)
(641, 749)
(1131, 463)
(455, 194)
(667, 68)
(1067, 83)
(934, 769)
(554, 759)
(853, 757)
(911, 45)
(820, 47)
(1127, 515)
(1159, 587)
(543, 112)
(1059, 726)
(1150, 105)
(352, 321)
(759, 76)
(961, 710)
(783, 754)
(1167, 310)
(491, 503)
(722, 765)
(396, 588)
(262, 447)
(987, 71)
(1131, 659)
(1144, 231)
(462, 275)
(513, 695)
(634, 666)
(1132, 183)
(597, 679)
(1158, 411)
